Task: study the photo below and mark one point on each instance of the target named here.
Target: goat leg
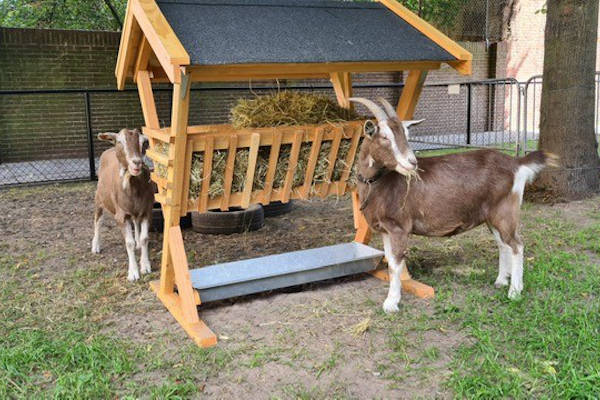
(98, 216)
(133, 274)
(144, 259)
(136, 231)
(394, 245)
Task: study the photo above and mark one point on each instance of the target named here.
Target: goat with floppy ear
(125, 190)
(453, 193)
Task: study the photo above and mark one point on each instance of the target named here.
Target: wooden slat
(185, 192)
(312, 162)
(241, 72)
(335, 146)
(159, 157)
(339, 80)
(350, 159)
(293, 163)
(159, 180)
(428, 30)
(272, 168)
(229, 169)
(206, 172)
(410, 94)
(159, 134)
(252, 157)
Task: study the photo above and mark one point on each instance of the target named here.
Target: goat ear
(370, 128)
(108, 137)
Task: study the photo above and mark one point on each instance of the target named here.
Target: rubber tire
(236, 220)
(158, 222)
(277, 208)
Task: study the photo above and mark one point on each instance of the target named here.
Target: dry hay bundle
(273, 110)
(288, 108)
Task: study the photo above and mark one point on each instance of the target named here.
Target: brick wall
(54, 126)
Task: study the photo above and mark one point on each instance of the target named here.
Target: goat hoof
(514, 294)
(146, 269)
(95, 248)
(390, 306)
(133, 276)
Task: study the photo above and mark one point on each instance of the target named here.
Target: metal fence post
(469, 96)
(90, 137)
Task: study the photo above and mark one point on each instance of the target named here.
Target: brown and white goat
(125, 190)
(452, 194)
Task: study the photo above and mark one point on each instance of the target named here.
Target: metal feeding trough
(222, 281)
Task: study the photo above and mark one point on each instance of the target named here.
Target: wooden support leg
(363, 235)
(182, 305)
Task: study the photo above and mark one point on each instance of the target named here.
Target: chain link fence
(51, 135)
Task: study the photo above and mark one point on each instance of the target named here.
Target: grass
(59, 337)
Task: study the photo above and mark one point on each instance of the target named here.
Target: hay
(279, 109)
(288, 108)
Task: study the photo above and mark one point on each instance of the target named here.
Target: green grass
(546, 344)
(58, 338)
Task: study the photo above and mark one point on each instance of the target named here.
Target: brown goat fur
(125, 191)
(451, 194)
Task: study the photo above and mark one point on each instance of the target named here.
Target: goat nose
(413, 161)
(137, 162)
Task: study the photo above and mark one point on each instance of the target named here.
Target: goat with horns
(449, 195)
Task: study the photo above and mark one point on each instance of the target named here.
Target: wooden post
(410, 94)
(175, 172)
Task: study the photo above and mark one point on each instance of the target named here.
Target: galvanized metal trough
(222, 281)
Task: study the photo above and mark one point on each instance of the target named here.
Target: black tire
(158, 222)
(277, 208)
(236, 220)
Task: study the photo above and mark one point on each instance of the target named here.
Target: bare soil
(289, 343)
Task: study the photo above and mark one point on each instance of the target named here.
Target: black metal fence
(50, 135)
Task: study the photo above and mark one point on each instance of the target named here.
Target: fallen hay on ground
(279, 109)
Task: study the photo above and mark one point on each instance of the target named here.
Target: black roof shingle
(295, 31)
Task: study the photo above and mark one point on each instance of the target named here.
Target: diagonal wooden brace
(182, 305)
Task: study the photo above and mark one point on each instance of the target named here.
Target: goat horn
(372, 106)
(389, 109)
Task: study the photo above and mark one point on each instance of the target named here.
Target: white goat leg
(133, 274)
(516, 279)
(96, 243)
(144, 259)
(505, 261)
(390, 304)
(136, 231)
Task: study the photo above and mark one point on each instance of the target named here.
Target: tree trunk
(567, 108)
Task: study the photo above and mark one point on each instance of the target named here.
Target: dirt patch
(290, 343)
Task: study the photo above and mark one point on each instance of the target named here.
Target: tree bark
(567, 107)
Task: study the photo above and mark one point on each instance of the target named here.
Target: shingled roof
(295, 31)
(243, 39)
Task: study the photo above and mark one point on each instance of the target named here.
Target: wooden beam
(456, 50)
(166, 46)
(229, 170)
(175, 173)
(198, 331)
(130, 37)
(147, 100)
(410, 94)
(143, 56)
(240, 72)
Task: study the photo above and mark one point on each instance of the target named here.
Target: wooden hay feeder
(204, 41)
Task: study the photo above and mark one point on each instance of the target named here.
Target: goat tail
(529, 167)
(538, 160)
